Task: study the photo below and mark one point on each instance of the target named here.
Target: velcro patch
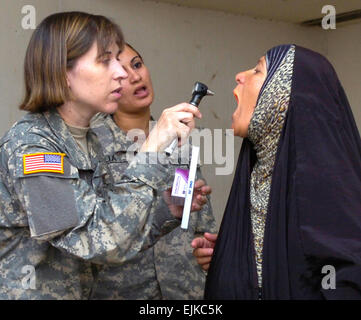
(44, 162)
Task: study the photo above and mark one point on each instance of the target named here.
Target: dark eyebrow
(131, 61)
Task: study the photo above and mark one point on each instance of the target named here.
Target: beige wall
(181, 45)
(344, 52)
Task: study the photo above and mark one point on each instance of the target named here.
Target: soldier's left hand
(201, 190)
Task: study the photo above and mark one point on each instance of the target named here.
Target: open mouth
(117, 90)
(141, 92)
(236, 94)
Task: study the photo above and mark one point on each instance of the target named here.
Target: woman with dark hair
(167, 270)
(56, 216)
(292, 225)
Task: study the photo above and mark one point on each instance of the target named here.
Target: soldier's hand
(174, 122)
(203, 249)
(201, 190)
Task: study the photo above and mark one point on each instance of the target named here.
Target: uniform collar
(121, 141)
(112, 138)
(73, 152)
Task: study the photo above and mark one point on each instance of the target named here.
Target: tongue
(140, 91)
(235, 92)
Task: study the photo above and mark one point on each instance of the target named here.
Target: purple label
(183, 173)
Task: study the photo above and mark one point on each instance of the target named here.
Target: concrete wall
(344, 52)
(180, 46)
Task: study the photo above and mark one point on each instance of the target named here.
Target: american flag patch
(43, 162)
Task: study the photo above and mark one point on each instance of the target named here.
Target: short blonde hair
(54, 48)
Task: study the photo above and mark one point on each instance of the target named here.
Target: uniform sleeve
(93, 223)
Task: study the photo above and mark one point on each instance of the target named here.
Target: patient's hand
(203, 249)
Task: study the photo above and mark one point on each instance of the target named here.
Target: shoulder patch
(44, 162)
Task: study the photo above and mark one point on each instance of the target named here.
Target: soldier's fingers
(199, 184)
(184, 117)
(186, 107)
(201, 200)
(206, 190)
(196, 207)
(187, 126)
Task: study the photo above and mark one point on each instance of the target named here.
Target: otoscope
(199, 91)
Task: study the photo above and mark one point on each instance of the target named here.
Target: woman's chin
(109, 108)
(142, 105)
(239, 133)
(140, 108)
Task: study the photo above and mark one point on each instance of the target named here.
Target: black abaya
(314, 210)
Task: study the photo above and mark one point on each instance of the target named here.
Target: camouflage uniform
(167, 270)
(64, 224)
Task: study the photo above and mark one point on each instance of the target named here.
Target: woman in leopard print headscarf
(295, 203)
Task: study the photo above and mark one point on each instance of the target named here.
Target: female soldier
(55, 213)
(167, 270)
(292, 225)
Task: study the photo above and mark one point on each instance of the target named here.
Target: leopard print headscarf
(264, 132)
